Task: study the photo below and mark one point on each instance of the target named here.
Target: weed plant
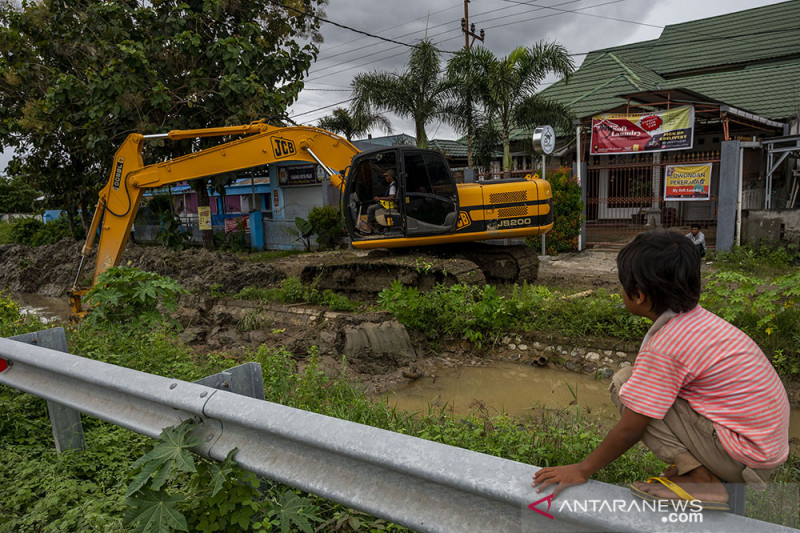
(132, 297)
(767, 309)
(5, 233)
(762, 259)
(292, 290)
(479, 313)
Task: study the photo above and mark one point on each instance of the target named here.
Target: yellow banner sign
(687, 182)
(204, 217)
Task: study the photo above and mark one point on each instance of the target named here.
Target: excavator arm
(120, 199)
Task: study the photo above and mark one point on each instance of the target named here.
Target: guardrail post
(66, 422)
(736, 492)
(244, 379)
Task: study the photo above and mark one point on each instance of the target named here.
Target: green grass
(5, 233)
(764, 259)
(85, 491)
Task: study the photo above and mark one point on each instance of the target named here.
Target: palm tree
(508, 85)
(463, 109)
(353, 125)
(418, 93)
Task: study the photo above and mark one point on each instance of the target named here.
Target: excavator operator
(391, 193)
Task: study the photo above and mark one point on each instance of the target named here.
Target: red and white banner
(643, 132)
(237, 224)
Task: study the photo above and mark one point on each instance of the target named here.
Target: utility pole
(469, 30)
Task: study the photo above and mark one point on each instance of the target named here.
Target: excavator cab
(423, 200)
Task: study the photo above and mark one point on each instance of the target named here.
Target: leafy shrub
(16, 196)
(754, 259)
(476, 313)
(170, 234)
(24, 230)
(567, 214)
(767, 310)
(292, 290)
(5, 233)
(129, 296)
(33, 232)
(302, 232)
(326, 225)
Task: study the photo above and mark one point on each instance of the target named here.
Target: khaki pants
(688, 440)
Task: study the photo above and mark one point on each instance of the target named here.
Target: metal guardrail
(423, 485)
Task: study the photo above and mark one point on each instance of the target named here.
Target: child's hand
(563, 476)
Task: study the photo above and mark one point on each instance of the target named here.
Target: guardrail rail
(423, 485)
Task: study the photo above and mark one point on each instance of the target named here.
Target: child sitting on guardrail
(701, 394)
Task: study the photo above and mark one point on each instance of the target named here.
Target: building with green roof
(749, 60)
(741, 74)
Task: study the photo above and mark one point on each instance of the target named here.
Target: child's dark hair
(664, 266)
(695, 225)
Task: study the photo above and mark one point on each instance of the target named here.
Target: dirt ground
(380, 352)
(589, 269)
(50, 270)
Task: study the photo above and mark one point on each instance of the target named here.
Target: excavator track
(375, 271)
(505, 264)
(469, 264)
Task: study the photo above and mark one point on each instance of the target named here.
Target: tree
(60, 76)
(419, 92)
(16, 196)
(353, 125)
(463, 110)
(507, 87)
(78, 77)
(217, 62)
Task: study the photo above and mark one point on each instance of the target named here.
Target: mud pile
(50, 270)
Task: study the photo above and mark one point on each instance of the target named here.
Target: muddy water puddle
(49, 309)
(514, 389)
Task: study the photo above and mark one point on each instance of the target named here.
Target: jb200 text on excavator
(426, 206)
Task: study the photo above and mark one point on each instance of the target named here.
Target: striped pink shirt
(723, 375)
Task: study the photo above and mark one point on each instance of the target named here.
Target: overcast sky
(580, 25)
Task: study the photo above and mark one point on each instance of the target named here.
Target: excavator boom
(120, 198)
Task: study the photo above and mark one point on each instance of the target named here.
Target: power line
(322, 69)
(321, 108)
(343, 26)
(578, 12)
(386, 29)
(553, 14)
(428, 28)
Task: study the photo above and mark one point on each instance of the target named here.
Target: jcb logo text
(282, 147)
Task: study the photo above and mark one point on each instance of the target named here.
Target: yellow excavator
(427, 207)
